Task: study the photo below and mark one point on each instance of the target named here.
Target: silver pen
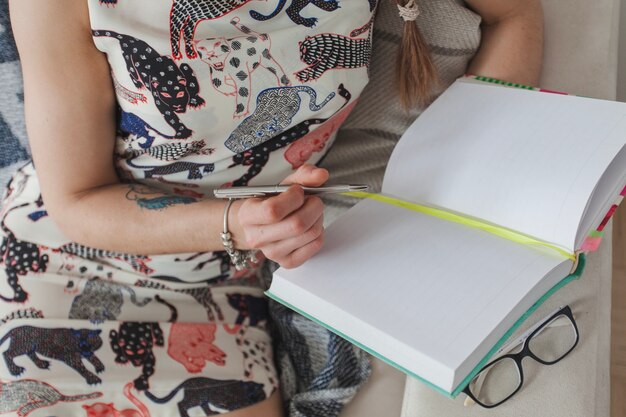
(271, 190)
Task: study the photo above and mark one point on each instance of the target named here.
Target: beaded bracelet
(242, 259)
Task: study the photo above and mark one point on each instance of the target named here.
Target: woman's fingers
(287, 228)
(282, 249)
(301, 255)
(271, 210)
(295, 224)
(308, 175)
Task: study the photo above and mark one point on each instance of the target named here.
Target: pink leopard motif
(301, 150)
(191, 344)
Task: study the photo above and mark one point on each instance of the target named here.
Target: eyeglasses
(547, 342)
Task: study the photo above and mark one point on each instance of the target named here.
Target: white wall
(621, 76)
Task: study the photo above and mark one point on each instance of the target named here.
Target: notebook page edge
(591, 219)
(547, 286)
(371, 339)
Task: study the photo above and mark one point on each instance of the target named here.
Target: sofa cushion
(580, 57)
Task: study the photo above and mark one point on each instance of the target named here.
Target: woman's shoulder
(50, 22)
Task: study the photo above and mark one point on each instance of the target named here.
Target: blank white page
(439, 287)
(522, 159)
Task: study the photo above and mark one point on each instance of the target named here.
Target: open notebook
(434, 297)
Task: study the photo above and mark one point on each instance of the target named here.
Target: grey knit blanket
(13, 143)
(320, 372)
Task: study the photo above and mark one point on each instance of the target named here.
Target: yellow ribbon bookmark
(467, 221)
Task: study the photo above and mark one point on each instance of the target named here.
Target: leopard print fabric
(228, 78)
(275, 109)
(101, 300)
(257, 157)
(294, 9)
(133, 344)
(232, 63)
(137, 262)
(208, 94)
(185, 16)
(328, 51)
(170, 152)
(19, 258)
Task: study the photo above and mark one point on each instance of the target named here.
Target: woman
(136, 110)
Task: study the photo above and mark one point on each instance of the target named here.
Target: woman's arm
(512, 40)
(70, 117)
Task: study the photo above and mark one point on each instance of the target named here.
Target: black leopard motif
(174, 87)
(70, 346)
(195, 169)
(255, 309)
(19, 258)
(137, 262)
(328, 51)
(133, 342)
(211, 394)
(185, 16)
(294, 9)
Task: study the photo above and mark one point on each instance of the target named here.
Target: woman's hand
(287, 228)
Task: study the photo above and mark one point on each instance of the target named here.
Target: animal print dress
(210, 93)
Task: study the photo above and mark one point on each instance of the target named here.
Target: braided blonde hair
(416, 72)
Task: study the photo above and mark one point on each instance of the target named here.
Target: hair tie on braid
(416, 73)
(409, 12)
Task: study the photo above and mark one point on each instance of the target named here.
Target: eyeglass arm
(506, 349)
(515, 343)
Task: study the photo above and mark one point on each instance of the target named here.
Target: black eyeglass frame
(519, 356)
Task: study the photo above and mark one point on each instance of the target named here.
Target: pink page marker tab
(607, 217)
(591, 244)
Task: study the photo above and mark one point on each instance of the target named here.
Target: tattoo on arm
(153, 199)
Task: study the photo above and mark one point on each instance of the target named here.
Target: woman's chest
(219, 84)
